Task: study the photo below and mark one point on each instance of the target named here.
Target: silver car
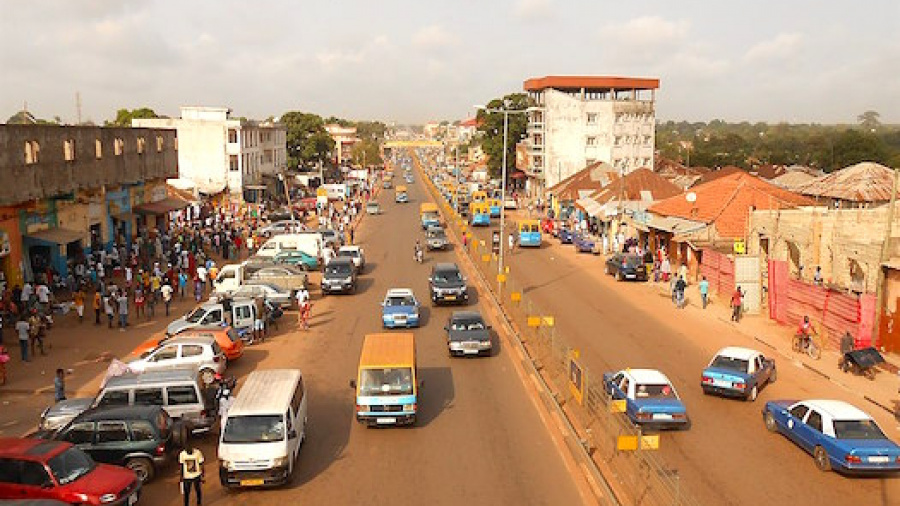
(273, 293)
(201, 354)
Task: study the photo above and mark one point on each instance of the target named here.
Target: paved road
(727, 457)
(479, 439)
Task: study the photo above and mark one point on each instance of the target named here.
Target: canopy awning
(590, 206)
(161, 207)
(57, 235)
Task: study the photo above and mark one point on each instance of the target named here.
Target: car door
(809, 433)
(35, 482)
(10, 473)
(765, 369)
(165, 357)
(110, 441)
(80, 434)
(191, 355)
(214, 317)
(243, 314)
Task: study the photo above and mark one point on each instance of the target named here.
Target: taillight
(643, 416)
(161, 450)
(707, 379)
(216, 359)
(203, 414)
(739, 386)
(853, 459)
(678, 416)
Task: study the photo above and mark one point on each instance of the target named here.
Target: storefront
(11, 264)
(119, 217)
(154, 211)
(46, 245)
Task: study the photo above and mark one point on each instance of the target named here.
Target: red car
(39, 469)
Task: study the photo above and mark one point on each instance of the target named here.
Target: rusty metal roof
(863, 182)
(587, 180)
(642, 184)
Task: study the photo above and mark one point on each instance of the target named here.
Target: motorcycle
(804, 343)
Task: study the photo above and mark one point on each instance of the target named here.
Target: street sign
(576, 380)
(617, 406)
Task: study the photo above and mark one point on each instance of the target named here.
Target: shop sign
(119, 202)
(137, 195)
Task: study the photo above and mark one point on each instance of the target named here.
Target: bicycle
(804, 343)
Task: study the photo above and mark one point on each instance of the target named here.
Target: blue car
(838, 435)
(481, 220)
(400, 309)
(584, 244)
(566, 236)
(650, 399)
(737, 372)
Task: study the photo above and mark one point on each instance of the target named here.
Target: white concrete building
(217, 152)
(579, 120)
(344, 140)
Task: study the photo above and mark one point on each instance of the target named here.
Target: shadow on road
(435, 395)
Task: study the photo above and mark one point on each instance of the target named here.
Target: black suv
(141, 438)
(448, 284)
(339, 276)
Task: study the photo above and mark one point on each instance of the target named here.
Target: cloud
(646, 31)
(783, 46)
(532, 10)
(333, 58)
(434, 36)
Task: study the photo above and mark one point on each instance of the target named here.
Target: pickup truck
(243, 313)
(234, 275)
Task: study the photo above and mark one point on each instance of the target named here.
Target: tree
(869, 120)
(853, 146)
(491, 126)
(333, 120)
(371, 130)
(307, 140)
(366, 152)
(124, 116)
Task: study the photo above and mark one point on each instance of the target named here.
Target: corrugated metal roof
(639, 184)
(793, 179)
(592, 178)
(863, 182)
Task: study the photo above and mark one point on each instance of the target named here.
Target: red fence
(835, 312)
(719, 271)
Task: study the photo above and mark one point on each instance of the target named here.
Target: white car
(356, 254)
(282, 227)
(202, 354)
(509, 203)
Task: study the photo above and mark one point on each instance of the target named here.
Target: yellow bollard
(515, 296)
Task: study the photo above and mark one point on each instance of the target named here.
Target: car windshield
(387, 381)
(631, 261)
(467, 324)
(436, 234)
(348, 253)
(70, 465)
(233, 335)
(399, 301)
(447, 276)
(338, 269)
(196, 315)
(654, 391)
(253, 429)
(857, 429)
(730, 363)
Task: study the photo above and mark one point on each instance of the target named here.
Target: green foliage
(371, 130)
(869, 120)
(338, 121)
(307, 140)
(366, 152)
(124, 116)
(491, 128)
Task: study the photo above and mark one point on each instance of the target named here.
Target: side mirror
(487, 327)
(292, 434)
(446, 327)
(352, 383)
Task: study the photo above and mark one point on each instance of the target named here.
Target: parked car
(36, 469)
(373, 208)
(650, 399)
(242, 312)
(510, 203)
(282, 227)
(400, 309)
(468, 334)
(435, 238)
(626, 266)
(838, 435)
(331, 237)
(228, 338)
(565, 236)
(202, 354)
(141, 438)
(354, 253)
(585, 244)
(275, 294)
(339, 276)
(447, 284)
(286, 276)
(737, 372)
(297, 258)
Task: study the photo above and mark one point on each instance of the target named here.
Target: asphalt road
(727, 456)
(479, 439)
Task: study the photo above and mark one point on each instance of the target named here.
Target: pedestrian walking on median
(704, 291)
(736, 301)
(191, 460)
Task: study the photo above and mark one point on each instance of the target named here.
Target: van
(309, 243)
(263, 430)
(386, 388)
(243, 313)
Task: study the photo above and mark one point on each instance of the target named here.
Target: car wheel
(208, 377)
(821, 457)
(618, 275)
(143, 468)
(774, 376)
(180, 435)
(754, 392)
(771, 424)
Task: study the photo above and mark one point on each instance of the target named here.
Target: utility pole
(885, 251)
(77, 107)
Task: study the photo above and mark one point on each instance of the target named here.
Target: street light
(287, 194)
(506, 114)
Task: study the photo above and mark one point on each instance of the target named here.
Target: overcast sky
(413, 61)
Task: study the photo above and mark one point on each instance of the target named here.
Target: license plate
(385, 421)
(630, 276)
(662, 416)
(470, 352)
(450, 297)
(723, 384)
(132, 499)
(252, 483)
(879, 460)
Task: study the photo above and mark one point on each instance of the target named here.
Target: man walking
(680, 286)
(191, 460)
(736, 300)
(98, 304)
(23, 328)
(122, 301)
(166, 291)
(704, 291)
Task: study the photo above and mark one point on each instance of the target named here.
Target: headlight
(107, 498)
(409, 407)
(279, 462)
(227, 464)
(348, 280)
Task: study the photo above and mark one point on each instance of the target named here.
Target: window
(9, 471)
(32, 152)
(160, 143)
(34, 474)
(148, 397)
(298, 397)
(141, 430)
(591, 118)
(167, 353)
(119, 146)
(80, 433)
(233, 163)
(214, 316)
(232, 135)
(814, 421)
(98, 149)
(591, 141)
(799, 412)
(69, 150)
(115, 398)
(191, 350)
(140, 145)
(242, 312)
(111, 432)
(182, 395)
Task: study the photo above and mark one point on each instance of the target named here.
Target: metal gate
(747, 276)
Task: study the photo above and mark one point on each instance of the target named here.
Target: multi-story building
(579, 120)
(220, 153)
(68, 190)
(344, 140)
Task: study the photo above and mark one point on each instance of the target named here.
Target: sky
(798, 61)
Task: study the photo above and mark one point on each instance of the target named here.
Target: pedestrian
(191, 460)
(122, 301)
(59, 385)
(259, 325)
(43, 296)
(4, 358)
(24, 330)
(98, 304)
(139, 301)
(201, 274)
(78, 302)
(198, 289)
(34, 332)
(736, 305)
(672, 291)
(166, 291)
(704, 291)
(680, 285)
(512, 243)
(302, 302)
(108, 309)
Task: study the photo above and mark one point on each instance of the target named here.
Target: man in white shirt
(43, 295)
(201, 274)
(166, 291)
(27, 291)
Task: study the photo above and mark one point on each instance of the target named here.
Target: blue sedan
(737, 372)
(584, 244)
(566, 236)
(400, 309)
(838, 435)
(650, 399)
